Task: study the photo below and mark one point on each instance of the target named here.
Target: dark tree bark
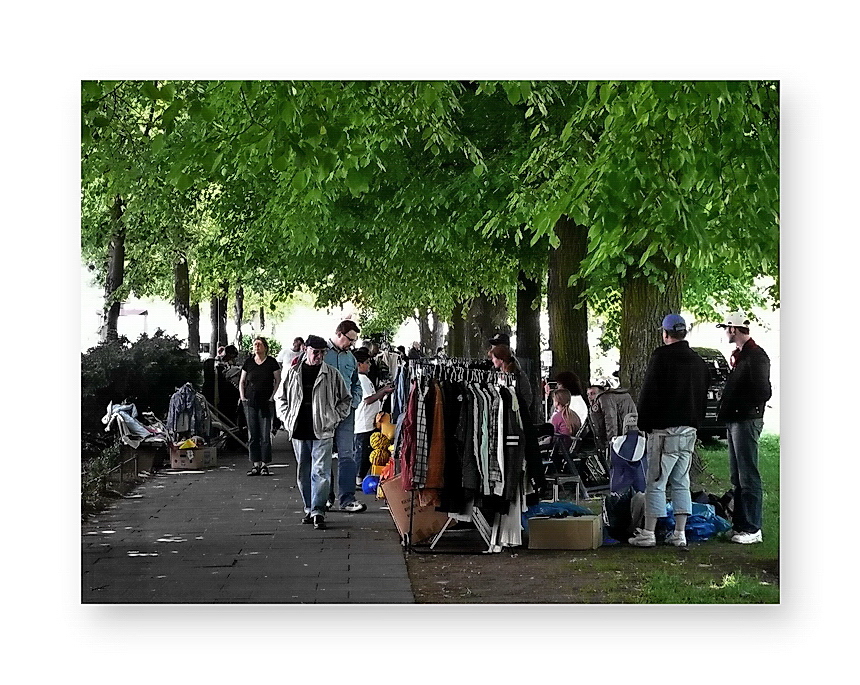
(457, 331)
(194, 328)
(218, 319)
(239, 312)
(437, 337)
(642, 309)
(182, 303)
(568, 316)
(486, 316)
(528, 330)
(115, 272)
(425, 335)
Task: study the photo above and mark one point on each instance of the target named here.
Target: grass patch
(662, 587)
(715, 459)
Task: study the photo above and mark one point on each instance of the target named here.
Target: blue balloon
(369, 485)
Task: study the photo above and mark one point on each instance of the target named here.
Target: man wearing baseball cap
(313, 402)
(671, 407)
(746, 391)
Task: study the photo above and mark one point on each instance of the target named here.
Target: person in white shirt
(285, 358)
(365, 414)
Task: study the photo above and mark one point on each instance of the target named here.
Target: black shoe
(254, 471)
(307, 518)
(319, 522)
(264, 470)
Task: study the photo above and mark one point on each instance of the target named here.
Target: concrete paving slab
(218, 536)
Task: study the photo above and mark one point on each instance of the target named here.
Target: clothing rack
(461, 369)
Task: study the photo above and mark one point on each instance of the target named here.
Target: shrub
(146, 373)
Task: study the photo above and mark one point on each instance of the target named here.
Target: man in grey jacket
(314, 400)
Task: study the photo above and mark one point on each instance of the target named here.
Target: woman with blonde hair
(564, 420)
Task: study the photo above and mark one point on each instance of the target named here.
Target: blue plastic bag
(702, 524)
(553, 509)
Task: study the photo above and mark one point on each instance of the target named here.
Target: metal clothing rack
(459, 369)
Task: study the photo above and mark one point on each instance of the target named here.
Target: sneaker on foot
(319, 522)
(354, 507)
(677, 539)
(643, 538)
(747, 538)
(307, 518)
(329, 505)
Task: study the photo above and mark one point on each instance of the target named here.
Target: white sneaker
(677, 539)
(643, 538)
(747, 538)
(354, 507)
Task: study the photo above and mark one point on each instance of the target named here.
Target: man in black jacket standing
(742, 408)
(671, 407)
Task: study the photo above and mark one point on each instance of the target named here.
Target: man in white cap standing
(671, 407)
(742, 406)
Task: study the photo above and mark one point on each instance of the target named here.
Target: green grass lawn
(729, 573)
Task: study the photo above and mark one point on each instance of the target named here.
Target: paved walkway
(219, 536)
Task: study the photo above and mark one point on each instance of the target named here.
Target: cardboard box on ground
(426, 521)
(194, 459)
(572, 532)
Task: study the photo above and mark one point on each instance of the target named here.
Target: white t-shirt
(286, 357)
(578, 405)
(365, 414)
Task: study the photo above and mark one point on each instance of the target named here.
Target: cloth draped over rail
(460, 441)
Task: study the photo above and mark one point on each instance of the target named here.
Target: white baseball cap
(735, 319)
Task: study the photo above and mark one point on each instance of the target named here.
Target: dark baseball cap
(315, 342)
(500, 339)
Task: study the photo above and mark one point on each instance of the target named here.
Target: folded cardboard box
(198, 458)
(571, 532)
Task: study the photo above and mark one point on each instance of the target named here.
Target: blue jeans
(344, 438)
(259, 432)
(670, 454)
(743, 463)
(314, 467)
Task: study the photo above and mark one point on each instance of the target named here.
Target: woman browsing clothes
(261, 376)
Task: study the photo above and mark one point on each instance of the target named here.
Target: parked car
(719, 367)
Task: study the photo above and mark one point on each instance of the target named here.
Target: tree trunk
(643, 307)
(115, 273)
(218, 319)
(425, 336)
(528, 331)
(437, 337)
(194, 329)
(486, 317)
(457, 331)
(568, 316)
(182, 302)
(239, 312)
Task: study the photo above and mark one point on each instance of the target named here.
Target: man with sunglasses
(313, 401)
(340, 357)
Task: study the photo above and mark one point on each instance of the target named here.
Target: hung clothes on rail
(462, 444)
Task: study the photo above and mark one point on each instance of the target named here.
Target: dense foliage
(146, 373)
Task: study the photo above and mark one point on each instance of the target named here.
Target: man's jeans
(259, 432)
(670, 454)
(743, 463)
(344, 438)
(314, 467)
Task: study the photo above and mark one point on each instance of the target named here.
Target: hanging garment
(184, 414)
(419, 469)
(407, 438)
(430, 495)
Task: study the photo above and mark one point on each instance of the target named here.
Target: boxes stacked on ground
(572, 532)
(194, 459)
